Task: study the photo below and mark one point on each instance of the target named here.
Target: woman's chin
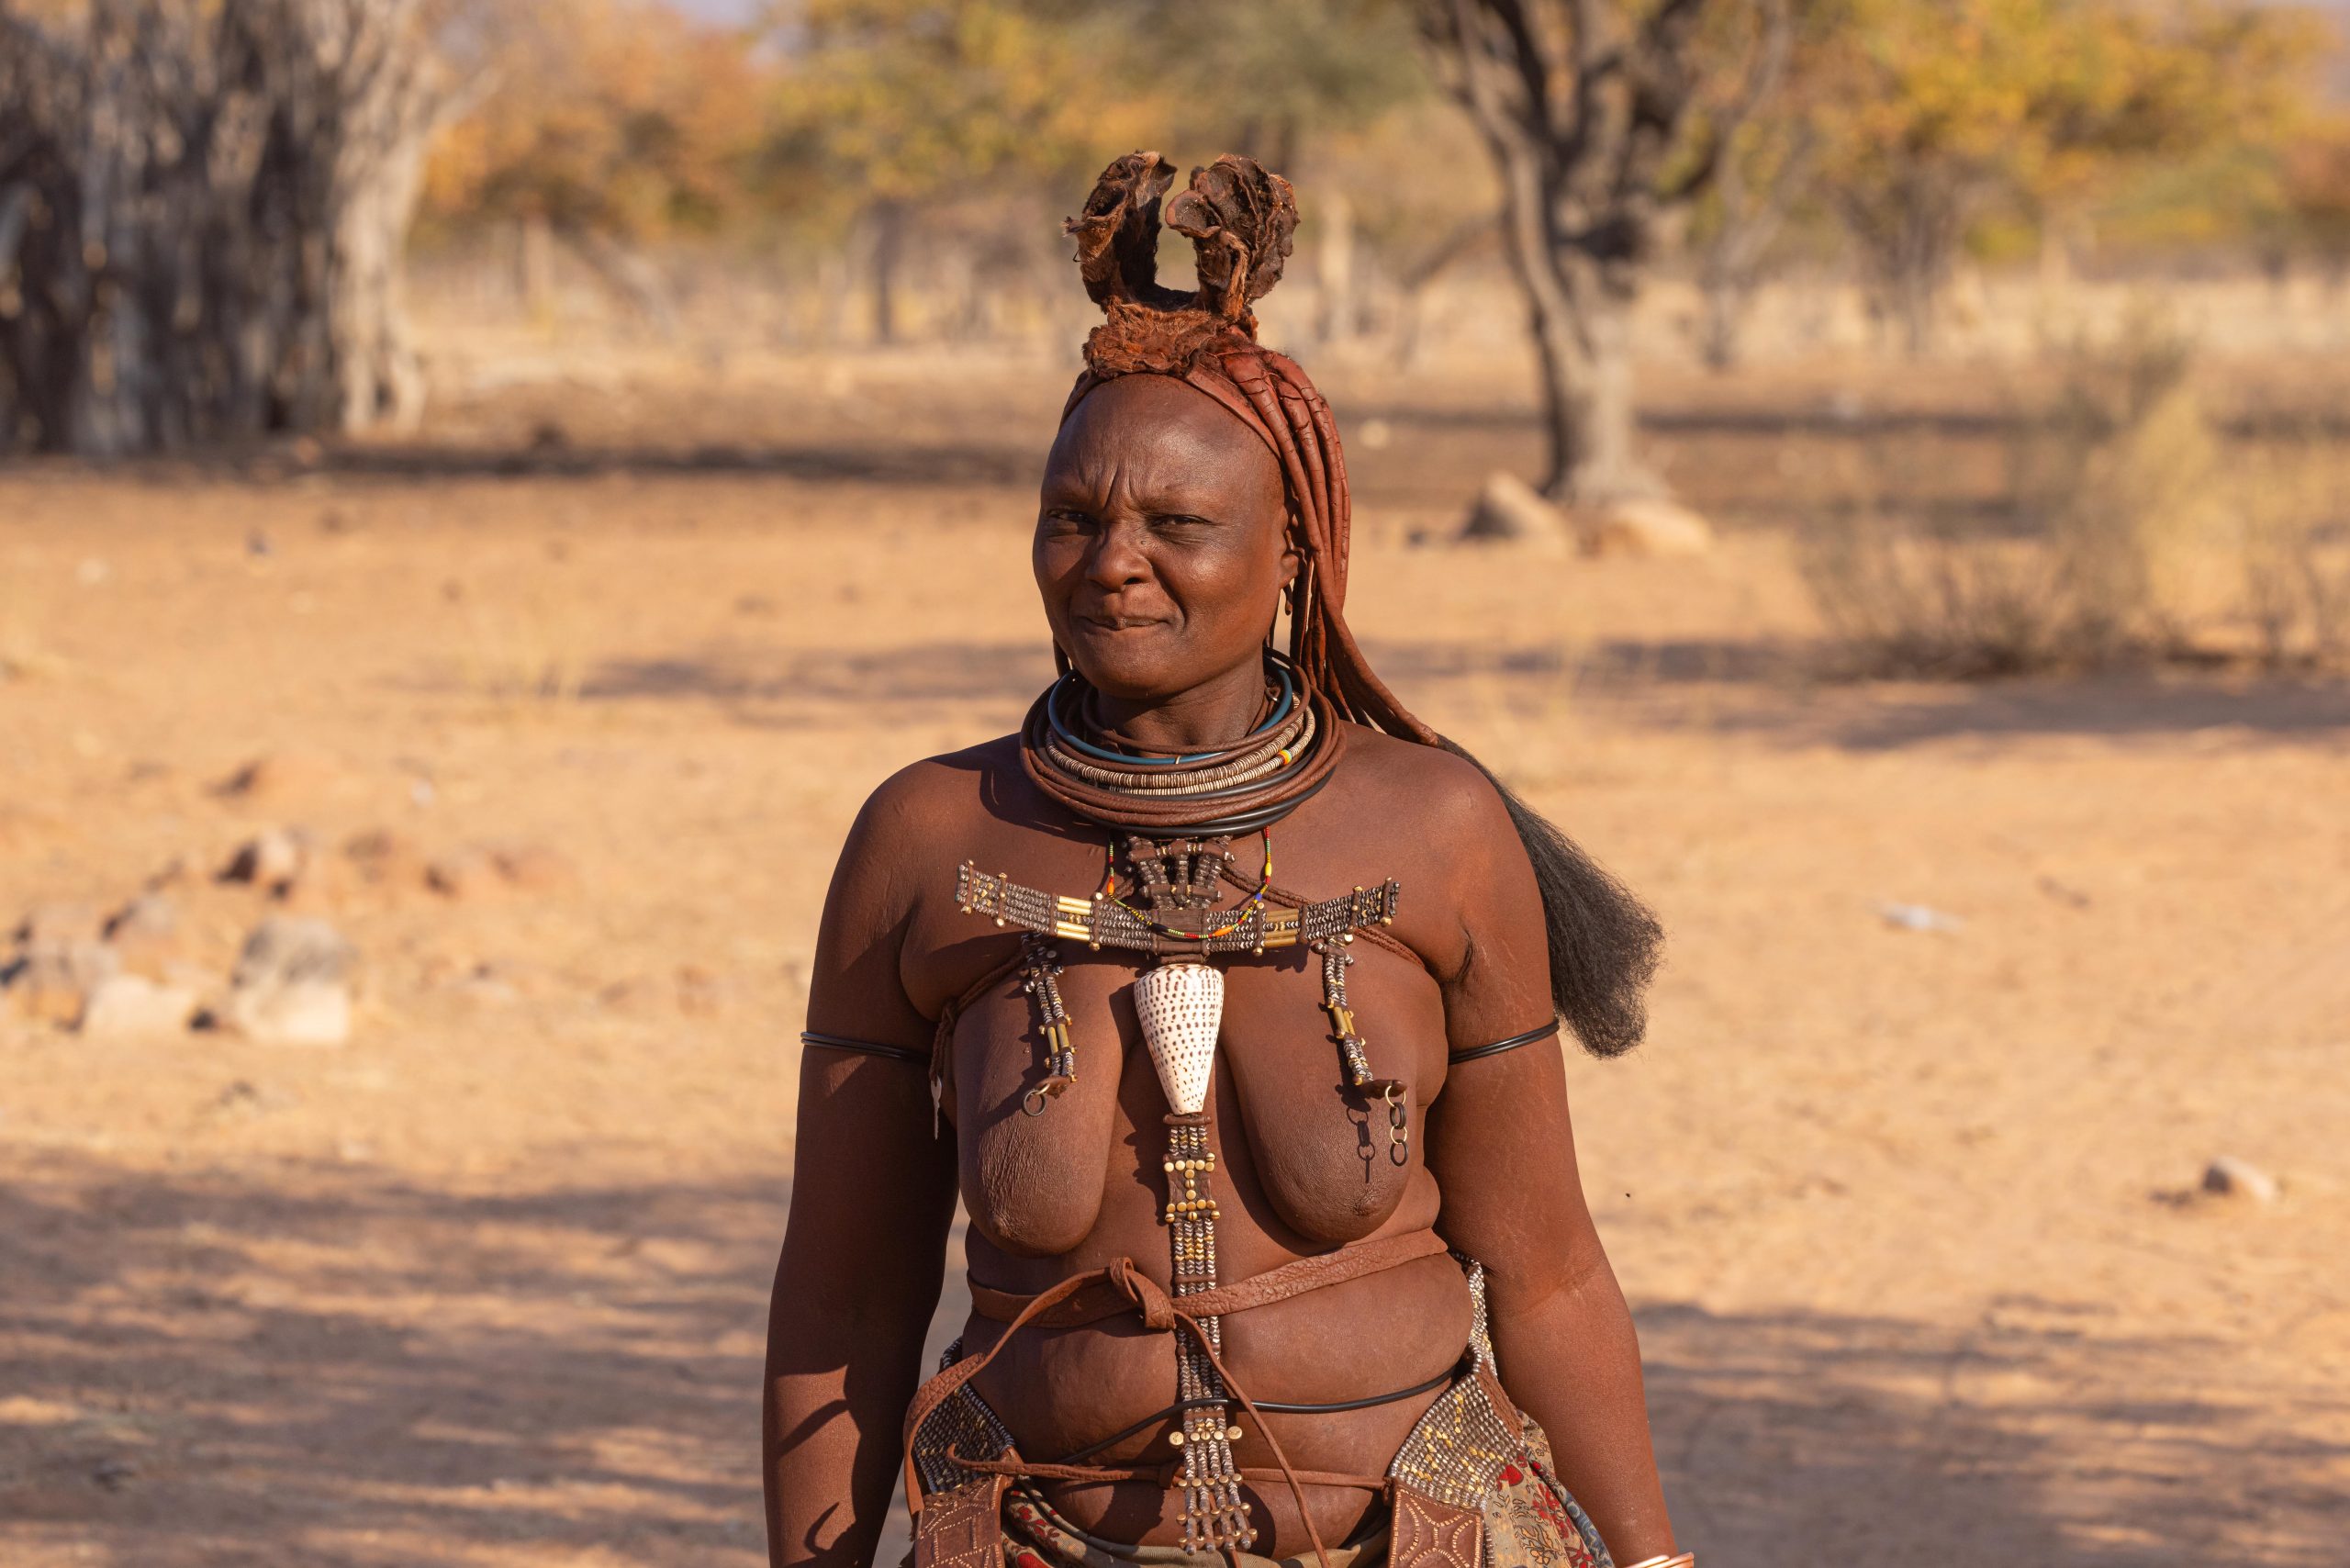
(1130, 666)
(1149, 684)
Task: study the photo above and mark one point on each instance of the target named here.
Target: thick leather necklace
(1251, 784)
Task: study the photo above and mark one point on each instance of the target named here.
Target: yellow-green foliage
(617, 116)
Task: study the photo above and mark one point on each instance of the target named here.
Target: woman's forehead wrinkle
(1197, 457)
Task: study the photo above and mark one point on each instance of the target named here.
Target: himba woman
(1226, 995)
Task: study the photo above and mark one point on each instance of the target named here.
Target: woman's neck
(1214, 714)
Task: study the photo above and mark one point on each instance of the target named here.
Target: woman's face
(1162, 539)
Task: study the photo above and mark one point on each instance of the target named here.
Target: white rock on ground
(145, 935)
(1511, 512)
(292, 983)
(464, 875)
(48, 981)
(270, 859)
(2231, 1177)
(134, 1007)
(51, 924)
(1653, 528)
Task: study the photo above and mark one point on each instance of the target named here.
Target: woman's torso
(1304, 1163)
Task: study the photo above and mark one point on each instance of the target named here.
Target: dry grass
(25, 654)
(2292, 535)
(527, 649)
(2081, 562)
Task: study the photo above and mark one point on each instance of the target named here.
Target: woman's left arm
(1502, 1150)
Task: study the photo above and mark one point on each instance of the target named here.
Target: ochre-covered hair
(1239, 219)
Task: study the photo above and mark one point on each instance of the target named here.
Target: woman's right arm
(872, 1199)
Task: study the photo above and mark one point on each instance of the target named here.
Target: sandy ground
(1908, 1216)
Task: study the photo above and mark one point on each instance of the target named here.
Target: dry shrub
(2291, 512)
(24, 655)
(530, 649)
(2106, 486)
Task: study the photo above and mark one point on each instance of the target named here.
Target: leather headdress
(1239, 219)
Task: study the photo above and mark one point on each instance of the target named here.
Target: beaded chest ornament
(1179, 1003)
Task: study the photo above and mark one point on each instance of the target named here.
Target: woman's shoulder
(949, 776)
(1443, 793)
(971, 797)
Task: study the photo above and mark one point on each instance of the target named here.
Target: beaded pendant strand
(1167, 911)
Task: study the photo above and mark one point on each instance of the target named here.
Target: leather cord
(1161, 1313)
(1320, 1270)
(1271, 1407)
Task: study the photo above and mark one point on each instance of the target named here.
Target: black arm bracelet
(866, 1048)
(1498, 1046)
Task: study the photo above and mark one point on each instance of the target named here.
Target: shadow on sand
(1773, 688)
(327, 1365)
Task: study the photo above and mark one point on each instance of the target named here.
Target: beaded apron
(1179, 1003)
(1472, 1486)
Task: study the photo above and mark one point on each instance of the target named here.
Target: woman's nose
(1117, 558)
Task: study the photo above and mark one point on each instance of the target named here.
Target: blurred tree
(1298, 86)
(613, 124)
(1767, 167)
(202, 210)
(612, 116)
(898, 112)
(1593, 113)
(2315, 194)
(1258, 76)
(893, 104)
(1933, 112)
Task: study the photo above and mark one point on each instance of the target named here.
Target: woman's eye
(1179, 520)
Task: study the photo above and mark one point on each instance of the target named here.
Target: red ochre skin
(1161, 553)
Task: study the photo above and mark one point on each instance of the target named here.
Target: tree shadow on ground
(916, 673)
(909, 463)
(2119, 707)
(1772, 687)
(1832, 416)
(335, 1366)
(2038, 1436)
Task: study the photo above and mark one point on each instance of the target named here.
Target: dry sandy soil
(1908, 1216)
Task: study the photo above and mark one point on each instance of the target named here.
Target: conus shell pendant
(1182, 1009)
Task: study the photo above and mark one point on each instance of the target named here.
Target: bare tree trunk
(1412, 285)
(1582, 326)
(1585, 110)
(1334, 269)
(1721, 333)
(534, 267)
(1735, 258)
(885, 254)
(631, 277)
(216, 199)
(1909, 231)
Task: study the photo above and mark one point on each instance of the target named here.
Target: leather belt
(1099, 1299)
